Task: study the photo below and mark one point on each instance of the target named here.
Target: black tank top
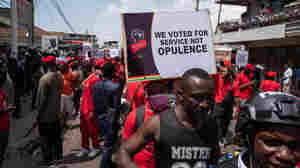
(180, 147)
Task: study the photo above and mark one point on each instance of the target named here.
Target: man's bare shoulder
(151, 127)
(153, 120)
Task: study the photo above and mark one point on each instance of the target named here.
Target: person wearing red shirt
(135, 88)
(270, 84)
(67, 104)
(4, 111)
(223, 82)
(242, 85)
(145, 158)
(120, 71)
(4, 125)
(89, 127)
(224, 109)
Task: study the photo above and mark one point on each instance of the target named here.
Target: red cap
(250, 67)
(49, 59)
(272, 74)
(227, 63)
(68, 58)
(62, 63)
(100, 62)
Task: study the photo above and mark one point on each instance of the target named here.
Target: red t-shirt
(68, 79)
(242, 79)
(140, 96)
(87, 101)
(221, 87)
(145, 158)
(120, 71)
(4, 117)
(269, 85)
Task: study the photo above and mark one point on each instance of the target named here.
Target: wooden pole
(14, 28)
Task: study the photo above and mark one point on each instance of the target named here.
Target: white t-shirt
(287, 74)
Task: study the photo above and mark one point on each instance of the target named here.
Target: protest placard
(166, 44)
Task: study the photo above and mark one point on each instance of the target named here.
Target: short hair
(51, 64)
(63, 68)
(197, 72)
(75, 65)
(108, 70)
(194, 72)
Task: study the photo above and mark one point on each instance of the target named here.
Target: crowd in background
(92, 90)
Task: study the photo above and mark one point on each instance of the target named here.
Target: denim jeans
(102, 128)
(106, 125)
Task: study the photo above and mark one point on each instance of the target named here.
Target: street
(19, 155)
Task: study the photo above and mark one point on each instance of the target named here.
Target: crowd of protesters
(179, 123)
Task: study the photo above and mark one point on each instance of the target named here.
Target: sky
(102, 17)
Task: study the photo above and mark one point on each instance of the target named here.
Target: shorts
(67, 104)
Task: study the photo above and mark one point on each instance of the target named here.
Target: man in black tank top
(184, 137)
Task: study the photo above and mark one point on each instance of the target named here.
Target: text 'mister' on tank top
(180, 147)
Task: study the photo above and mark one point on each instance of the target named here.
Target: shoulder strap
(135, 94)
(134, 97)
(139, 116)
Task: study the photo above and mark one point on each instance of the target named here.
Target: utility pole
(14, 28)
(197, 5)
(33, 25)
(219, 15)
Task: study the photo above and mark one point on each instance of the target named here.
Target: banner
(167, 44)
(242, 58)
(49, 43)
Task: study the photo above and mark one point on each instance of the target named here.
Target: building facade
(270, 30)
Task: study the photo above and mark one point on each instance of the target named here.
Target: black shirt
(180, 147)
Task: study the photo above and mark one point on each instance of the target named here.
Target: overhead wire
(62, 2)
(6, 2)
(2, 5)
(61, 13)
(45, 7)
(98, 9)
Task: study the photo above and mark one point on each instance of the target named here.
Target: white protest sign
(242, 58)
(168, 43)
(181, 41)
